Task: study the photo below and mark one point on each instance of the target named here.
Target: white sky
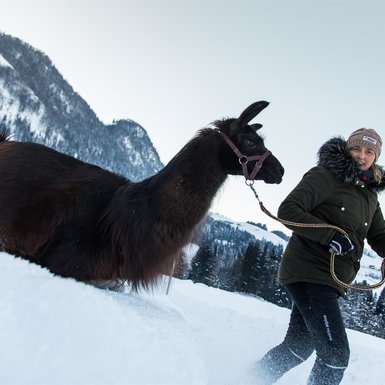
(176, 65)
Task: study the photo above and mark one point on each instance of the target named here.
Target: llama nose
(279, 175)
(278, 180)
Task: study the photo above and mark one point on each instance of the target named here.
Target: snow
(4, 62)
(11, 109)
(59, 331)
(189, 252)
(256, 231)
(370, 270)
(127, 143)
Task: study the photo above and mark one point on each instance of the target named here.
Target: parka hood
(334, 156)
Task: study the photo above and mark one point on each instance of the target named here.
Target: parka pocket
(337, 213)
(348, 216)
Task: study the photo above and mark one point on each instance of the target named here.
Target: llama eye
(250, 143)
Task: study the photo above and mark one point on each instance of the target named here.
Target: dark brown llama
(81, 221)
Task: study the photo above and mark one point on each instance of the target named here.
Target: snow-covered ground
(58, 331)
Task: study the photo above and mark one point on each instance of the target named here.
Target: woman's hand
(341, 244)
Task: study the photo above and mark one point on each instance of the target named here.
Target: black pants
(315, 324)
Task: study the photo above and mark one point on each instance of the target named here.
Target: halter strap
(244, 159)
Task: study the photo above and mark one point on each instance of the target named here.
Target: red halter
(243, 159)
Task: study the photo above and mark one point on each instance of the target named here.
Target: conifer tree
(250, 269)
(380, 306)
(279, 295)
(204, 266)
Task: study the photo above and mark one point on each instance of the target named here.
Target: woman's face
(364, 156)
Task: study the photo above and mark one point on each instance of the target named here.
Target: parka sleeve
(314, 188)
(376, 233)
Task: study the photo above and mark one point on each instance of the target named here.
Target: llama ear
(251, 112)
(256, 126)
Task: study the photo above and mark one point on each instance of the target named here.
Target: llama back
(50, 206)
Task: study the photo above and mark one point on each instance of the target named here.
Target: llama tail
(5, 134)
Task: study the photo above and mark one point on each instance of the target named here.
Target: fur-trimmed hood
(334, 156)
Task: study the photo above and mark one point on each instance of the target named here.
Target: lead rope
(332, 254)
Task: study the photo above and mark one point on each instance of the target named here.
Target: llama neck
(153, 219)
(191, 179)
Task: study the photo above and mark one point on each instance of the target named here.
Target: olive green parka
(333, 193)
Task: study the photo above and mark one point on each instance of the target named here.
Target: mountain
(37, 104)
(57, 331)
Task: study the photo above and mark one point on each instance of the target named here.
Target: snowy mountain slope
(37, 104)
(59, 331)
(256, 231)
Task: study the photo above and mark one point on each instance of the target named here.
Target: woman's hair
(377, 173)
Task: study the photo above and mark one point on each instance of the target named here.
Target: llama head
(242, 142)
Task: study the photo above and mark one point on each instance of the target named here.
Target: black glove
(341, 244)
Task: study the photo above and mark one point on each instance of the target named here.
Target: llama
(81, 221)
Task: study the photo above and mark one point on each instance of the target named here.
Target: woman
(341, 190)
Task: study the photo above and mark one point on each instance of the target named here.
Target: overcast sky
(174, 66)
